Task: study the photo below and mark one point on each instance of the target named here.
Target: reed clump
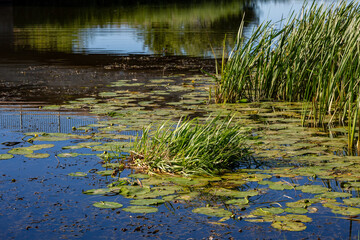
(314, 57)
(190, 147)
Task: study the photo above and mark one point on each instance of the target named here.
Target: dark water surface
(52, 53)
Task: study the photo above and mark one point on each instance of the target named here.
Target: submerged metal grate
(42, 121)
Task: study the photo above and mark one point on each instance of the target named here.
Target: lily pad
(277, 185)
(40, 146)
(65, 155)
(20, 151)
(138, 175)
(72, 147)
(103, 204)
(238, 201)
(352, 201)
(312, 189)
(347, 211)
(233, 193)
(267, 211)
(89, 144)
(105, 172)
(289, 226)
(37, 155)
(334, 195)
(188, 196)
(50, 139)
(297, 210)
(97, 191)
(146, 201)
(134, 191)
(212, 211)
(140, 209)
(78, 174)
(5, 156)
(293, 217)
(113, 165)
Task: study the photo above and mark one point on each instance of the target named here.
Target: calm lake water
(165, 28)
(136, 61)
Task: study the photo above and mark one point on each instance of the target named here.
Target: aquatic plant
(314, 58)
(191, 147)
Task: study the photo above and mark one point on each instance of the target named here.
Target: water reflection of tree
(173, 28)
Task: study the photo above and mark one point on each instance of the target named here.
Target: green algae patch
(212, 211)
(104, 204)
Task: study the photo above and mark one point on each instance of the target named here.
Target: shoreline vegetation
(312, 58)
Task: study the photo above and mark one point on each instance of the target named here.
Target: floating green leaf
(289, 226)
(334, 195)
(37, 155)
(352, 201)
(267, 211)
(238, 201)
(50, 139)
(105, 172)
(140, 209)
(40, 146)
(103, 204)
(97, 191)
(65, 155)
(146, 201)
(233, 193)
(72, 147)
(138, 175)
(21, 151)
(312, 189)
(78, 174)
(347, 211)
(297, 210)
(212, 211)
(5, 156)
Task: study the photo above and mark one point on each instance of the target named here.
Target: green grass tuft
(191, 147)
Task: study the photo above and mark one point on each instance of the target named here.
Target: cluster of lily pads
(282, 150)
(227, 197)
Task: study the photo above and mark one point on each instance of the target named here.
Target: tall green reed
(191, 147)
(313, 57)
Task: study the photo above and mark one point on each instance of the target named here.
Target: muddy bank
(78, 76)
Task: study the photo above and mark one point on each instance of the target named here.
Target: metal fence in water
(30, 120)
